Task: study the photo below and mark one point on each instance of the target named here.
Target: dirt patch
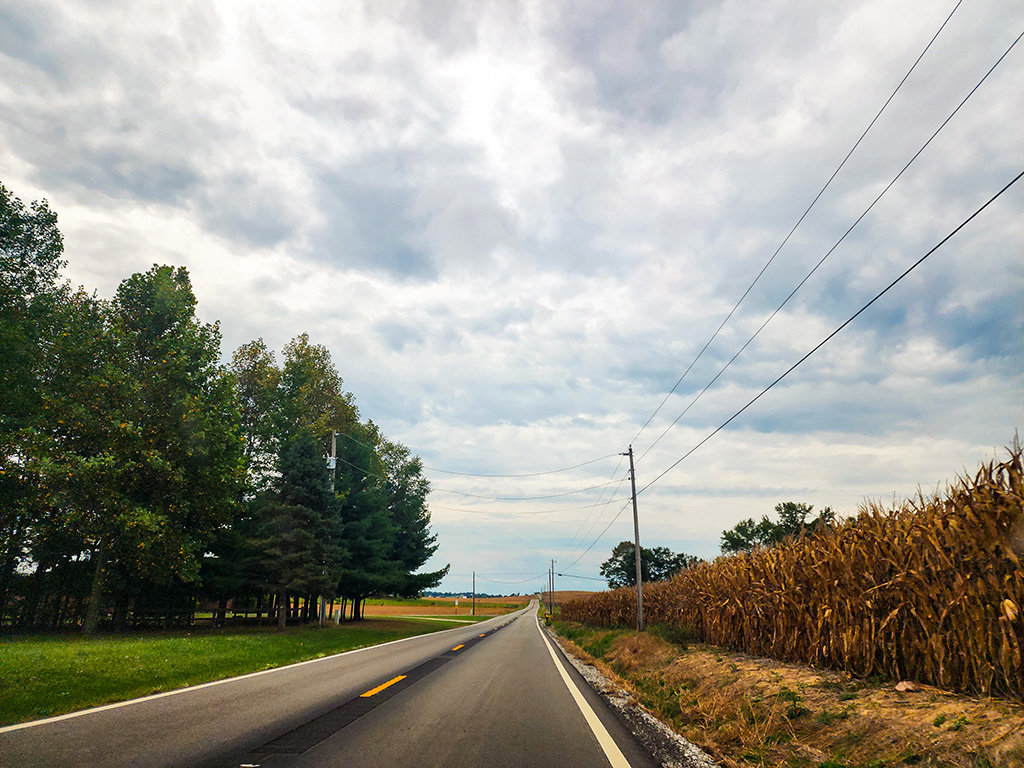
(749, 711)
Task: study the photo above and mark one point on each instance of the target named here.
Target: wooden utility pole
(551, 593)
(637, 551)
(474, 592)
(552, 589)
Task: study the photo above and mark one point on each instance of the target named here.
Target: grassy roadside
(42, 676)
(746, 711)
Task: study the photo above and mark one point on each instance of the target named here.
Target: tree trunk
(92, 613)
(222, 612)
(259, 609)
(282, 611)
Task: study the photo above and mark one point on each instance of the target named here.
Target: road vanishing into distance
(497, 693)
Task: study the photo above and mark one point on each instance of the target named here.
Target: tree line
(660, 563)
(140, 476)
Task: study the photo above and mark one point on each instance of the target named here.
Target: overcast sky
(516, 223)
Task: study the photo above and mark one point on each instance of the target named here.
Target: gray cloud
(515, 225)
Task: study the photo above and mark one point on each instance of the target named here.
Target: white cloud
(516, 225)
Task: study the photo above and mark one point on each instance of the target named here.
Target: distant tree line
(140, 476)
(795, 519)
(656, 564)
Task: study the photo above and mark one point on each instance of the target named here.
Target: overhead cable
(527, 512)
(799, 221)
(828, 338)
(479, 496)
(832, 249)
(601, 535)
(478, 474)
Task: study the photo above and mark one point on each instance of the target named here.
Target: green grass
(595, 641)
(42, 676)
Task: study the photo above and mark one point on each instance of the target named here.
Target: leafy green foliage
(747, 534)
(656, 564)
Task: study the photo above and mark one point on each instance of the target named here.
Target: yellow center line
(458, 646)
(379, 688)
(479, 635)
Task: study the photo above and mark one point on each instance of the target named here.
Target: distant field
(440, 606)
(42, 676)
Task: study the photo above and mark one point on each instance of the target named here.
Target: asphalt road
(489, 694)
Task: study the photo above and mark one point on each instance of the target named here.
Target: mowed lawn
(42, 676)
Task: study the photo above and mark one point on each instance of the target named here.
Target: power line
(477, 474)
(574, 576)
(479, 496)
(828, 338)
(528, 474)
(524, 498)
(594, 506)
(799, 221)
(523, 581)
(601, 535)
(528, 512)
(832, 249)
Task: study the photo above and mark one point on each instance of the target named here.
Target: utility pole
(474, 592)
(552, 588)
(551, 593)
(636, 549)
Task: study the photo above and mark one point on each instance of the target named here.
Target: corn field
(927, 590)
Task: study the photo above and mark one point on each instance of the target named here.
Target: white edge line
(164, 694)
(611, 749)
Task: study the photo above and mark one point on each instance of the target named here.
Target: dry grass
(748, 711)
(463, 609)
(929, 590)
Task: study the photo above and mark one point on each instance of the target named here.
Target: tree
(747, 534)
(370, 530)
(406, 498)
(178, 470)
(84, 438)
(30, 256)
(657, 564)
(302, 537)
(312, 398)
(257, 383)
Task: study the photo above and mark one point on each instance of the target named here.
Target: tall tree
(302, 537)
(30, 256)
(369, 527)
(86, 436)
(406, 499)
(312, 398)
(181, 466)
(257, 382)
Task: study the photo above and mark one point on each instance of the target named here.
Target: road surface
(492, 694)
